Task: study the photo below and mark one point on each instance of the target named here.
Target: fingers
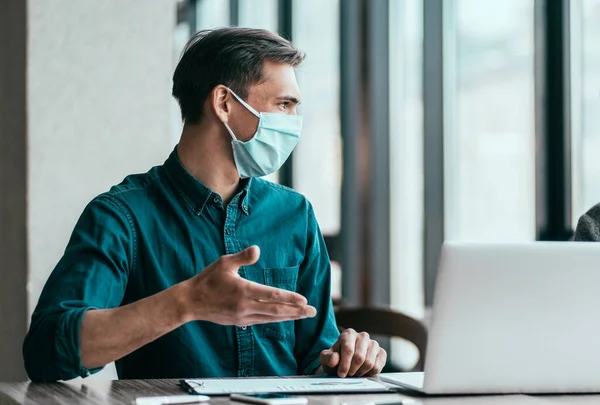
(246, 257)
(329, 360)
(265, 293)
(379, 363)
(370, 363)
(347, 343)
(280, 310)
(336, 346)
(358, 355)
(361, 349)
(262, 319)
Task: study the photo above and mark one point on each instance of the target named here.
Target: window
(258, 14)
(489, 120)
(585, 99)
(317, 162)
(318, 157)
(211, 14)
(406, 166)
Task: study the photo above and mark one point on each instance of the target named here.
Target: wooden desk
(123, 392)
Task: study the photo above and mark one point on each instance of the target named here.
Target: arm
(92, 273)
(78, 327)
(107, 335)
(218, 294)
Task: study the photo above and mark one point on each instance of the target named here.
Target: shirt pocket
(285, 278)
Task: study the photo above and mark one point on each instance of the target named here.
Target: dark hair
(230, 56)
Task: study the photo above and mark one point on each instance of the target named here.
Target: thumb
(246, 257)
(329, 359)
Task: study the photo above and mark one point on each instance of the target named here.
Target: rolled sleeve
(319, 333)
(68, 359)
(92, 274)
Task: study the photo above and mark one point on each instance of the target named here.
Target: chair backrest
(385, 322)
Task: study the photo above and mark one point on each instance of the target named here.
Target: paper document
(227, 386)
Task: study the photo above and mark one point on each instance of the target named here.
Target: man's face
(277, 93)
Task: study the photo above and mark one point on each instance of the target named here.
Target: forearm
(110, 334)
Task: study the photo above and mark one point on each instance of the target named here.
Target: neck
(205, 152)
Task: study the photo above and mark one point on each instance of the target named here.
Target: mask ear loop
(245, 105)
(230, 132)
(242, 102)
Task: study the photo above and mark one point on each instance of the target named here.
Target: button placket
(244, 336)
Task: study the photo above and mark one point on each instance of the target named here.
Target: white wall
(99, 108)
(99, 84)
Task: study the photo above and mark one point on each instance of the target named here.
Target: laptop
(513, 318)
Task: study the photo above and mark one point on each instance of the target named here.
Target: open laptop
(513, 318)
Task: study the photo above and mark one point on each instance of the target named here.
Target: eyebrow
(289, 98)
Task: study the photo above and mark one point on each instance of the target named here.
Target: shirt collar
(195, 194)
(246, 197)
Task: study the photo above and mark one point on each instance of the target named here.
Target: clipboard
(307, 386)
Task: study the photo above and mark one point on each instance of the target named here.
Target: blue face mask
(276, 137)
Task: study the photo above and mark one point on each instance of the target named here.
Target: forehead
(278, 79)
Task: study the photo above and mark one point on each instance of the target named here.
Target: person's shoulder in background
(588, 226)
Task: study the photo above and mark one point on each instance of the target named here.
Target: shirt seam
(121, 207)
(133, 187)
(306, 228)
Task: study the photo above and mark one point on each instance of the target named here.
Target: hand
(353, 355)
(218, 294)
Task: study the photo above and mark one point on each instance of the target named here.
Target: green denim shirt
(157, 229)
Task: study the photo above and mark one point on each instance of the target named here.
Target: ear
(220, 100)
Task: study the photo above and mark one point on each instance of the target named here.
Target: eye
(284, 104)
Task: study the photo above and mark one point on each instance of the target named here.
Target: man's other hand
(353, 355)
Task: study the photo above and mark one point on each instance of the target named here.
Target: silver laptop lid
(510, 318)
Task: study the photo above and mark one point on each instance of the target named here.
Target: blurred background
(425, 121)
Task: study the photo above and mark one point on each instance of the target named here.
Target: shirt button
(244, 327)
(228, 231)
(216, 200)
(245, 207)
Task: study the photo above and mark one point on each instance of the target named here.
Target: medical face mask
(276, 137)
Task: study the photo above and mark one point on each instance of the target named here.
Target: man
(588, 227)
(198, 268)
